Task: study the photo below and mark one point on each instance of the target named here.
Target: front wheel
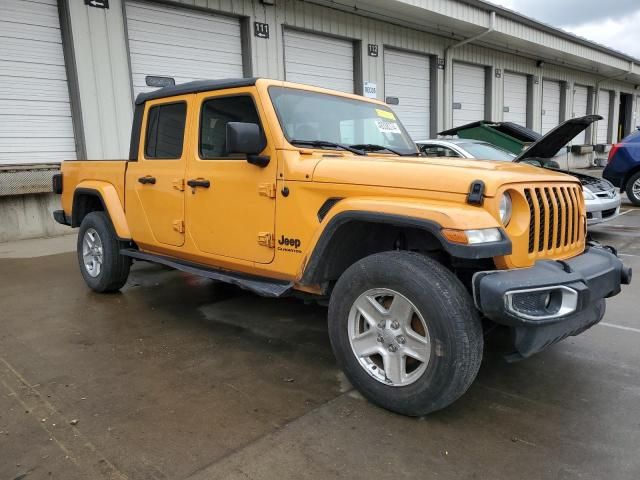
(102, 266)
(633, 189)
(405, 332)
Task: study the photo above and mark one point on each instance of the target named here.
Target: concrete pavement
(178, 377)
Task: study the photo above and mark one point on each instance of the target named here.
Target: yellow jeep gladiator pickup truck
(284, 189)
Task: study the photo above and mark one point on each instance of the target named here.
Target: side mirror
(247, 138)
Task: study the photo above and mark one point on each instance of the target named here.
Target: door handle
(199, 182)
(147, 180)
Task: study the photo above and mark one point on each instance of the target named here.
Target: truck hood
(441, 174)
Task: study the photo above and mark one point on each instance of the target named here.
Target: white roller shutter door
(515, 98)
(604, 106)
(580, 106)
(406, 77)
(550, 105)
(181, 43)
(35, 111)
(636, 120)
(469, 95)
(318, 60)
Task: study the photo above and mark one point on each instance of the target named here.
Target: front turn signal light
(472, 237)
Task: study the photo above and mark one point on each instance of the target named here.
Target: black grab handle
(149, 180)
(193, 183)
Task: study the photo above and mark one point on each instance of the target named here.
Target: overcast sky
(614, 23)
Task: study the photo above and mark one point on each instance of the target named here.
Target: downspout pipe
(596, 105)
(448, 70)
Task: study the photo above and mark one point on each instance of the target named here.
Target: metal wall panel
(35, 110)
(180, 43)
(636, 119)
(469, 94)
(515, 98)
(604, 108)
(319, 60)
(406, 76)
(580, 109)
(550, 105)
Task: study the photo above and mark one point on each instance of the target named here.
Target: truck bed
(74, 173)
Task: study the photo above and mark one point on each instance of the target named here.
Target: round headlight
(505, 209)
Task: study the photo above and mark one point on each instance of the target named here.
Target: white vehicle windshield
(330, 121)
(485, 151)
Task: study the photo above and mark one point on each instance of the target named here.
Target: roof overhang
(461, 19)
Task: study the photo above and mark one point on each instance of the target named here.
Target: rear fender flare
(111, 203)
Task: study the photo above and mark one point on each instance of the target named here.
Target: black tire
(114, 269)
(452, 321)
(635, 199)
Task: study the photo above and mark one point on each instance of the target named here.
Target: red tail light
(613, 151)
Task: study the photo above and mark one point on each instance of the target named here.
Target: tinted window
(216, 113)
(165, 131)
(438, 151)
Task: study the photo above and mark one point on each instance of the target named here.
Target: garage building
(72, 69)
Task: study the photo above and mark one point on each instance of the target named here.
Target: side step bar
(261, 286)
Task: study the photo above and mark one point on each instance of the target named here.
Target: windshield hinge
(178, 226)
(178, 184)
(267, 189)
(266, 239)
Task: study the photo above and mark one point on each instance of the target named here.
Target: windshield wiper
(372, 147)
(324, 143)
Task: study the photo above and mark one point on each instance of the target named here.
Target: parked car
(284, 189)
(623, 167)
(601, 198)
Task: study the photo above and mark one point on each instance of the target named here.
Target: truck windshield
(312, 117)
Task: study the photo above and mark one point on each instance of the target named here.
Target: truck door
(154, 197)
(230, 208)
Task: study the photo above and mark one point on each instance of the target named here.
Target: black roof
(195, 87)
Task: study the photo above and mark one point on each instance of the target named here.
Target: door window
(438, 151)
(165, 131)
(216, 113)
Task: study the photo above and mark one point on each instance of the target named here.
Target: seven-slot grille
(555, 221)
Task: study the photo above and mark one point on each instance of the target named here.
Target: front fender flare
(431, 217)
(111, 203)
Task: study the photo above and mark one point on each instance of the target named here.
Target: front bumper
(602, 209)
(551, 300)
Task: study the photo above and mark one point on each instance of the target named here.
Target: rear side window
(216, 113)
(165, 131)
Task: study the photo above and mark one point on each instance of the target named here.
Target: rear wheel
(405, 332)
(98, 248)
(633, 189)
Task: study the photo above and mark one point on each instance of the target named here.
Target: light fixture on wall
(268, 2)
(540, 64)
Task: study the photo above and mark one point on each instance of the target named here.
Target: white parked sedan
(602, 200)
